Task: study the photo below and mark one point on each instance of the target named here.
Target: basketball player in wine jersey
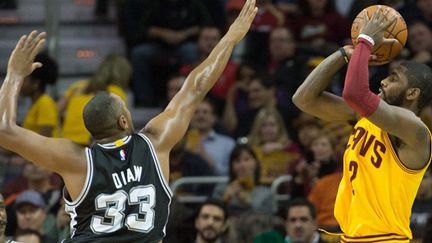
(115, 190)
(390, 147)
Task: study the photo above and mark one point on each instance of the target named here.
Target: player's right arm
(166, 129)
(312, 98)
(59, 155)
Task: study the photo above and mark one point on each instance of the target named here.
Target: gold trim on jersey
(374, 238)
(399, 162)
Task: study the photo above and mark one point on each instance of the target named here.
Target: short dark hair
(301, 202)
(101, 114)
(48, 73)
(213, 202)
(419, 76)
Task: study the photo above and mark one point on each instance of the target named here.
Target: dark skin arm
(312, 98)
(59, 155)
(414, 151)
(169, 127)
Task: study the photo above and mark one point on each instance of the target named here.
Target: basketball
(398, 30)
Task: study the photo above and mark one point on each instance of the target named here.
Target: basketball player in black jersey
(116, 190)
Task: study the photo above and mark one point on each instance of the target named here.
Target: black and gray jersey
(125, 197)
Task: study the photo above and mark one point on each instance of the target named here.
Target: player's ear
(122, 122)
(413, 93)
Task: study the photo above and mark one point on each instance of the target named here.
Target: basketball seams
(397, 30)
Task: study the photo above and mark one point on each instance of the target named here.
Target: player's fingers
(390, 41)
(244, 9)
(39, 37)
(375, 13)
(36, 65)
(30, 39)
(37, 48)
(250, 7)
(21, 42)
(366, 15)
(390, 22)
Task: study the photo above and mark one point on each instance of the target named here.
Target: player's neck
(112, 138)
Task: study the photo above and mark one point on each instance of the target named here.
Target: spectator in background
(210, 222)
(208, 38)
(204, 141)
(422, 207)
(307, 127)
(184, 163)
(28, 236)
(237, 95)
(420, 42)
(3, 220)
(268, 18)
(324, 162)
(31, 214)
(428, 231)
(260, 94)
(42, 117)
(244, 191)
(286, 67)
(174, 84)
(301, 222)
(274, 148)
(323, 197)
(113, 75)
(320, 29)
(37, 178)
(162, 33)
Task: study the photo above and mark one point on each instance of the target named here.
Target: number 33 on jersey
(125, 197)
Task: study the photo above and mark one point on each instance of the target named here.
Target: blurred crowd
(247, 129)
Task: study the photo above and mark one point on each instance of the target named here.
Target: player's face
(30, 217)
(210, 223)
(245, 165)
(300, 225)
(393, 88)
(203, 119)
(3, 217)
(269, 131)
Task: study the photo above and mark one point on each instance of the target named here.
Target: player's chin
(381, 94)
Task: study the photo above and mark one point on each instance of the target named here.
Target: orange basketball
(398, 30)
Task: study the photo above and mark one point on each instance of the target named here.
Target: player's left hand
(376, 26)
(22, 57)
(241, 25)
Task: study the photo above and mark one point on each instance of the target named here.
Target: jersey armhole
(164, 183)
(87, 183)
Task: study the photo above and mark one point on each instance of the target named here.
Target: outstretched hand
(22, 57)
(241, 25)
(376, 26)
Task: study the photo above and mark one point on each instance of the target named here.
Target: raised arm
(169, 127)
(312, 98)
(55, 154)
(399, 121)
